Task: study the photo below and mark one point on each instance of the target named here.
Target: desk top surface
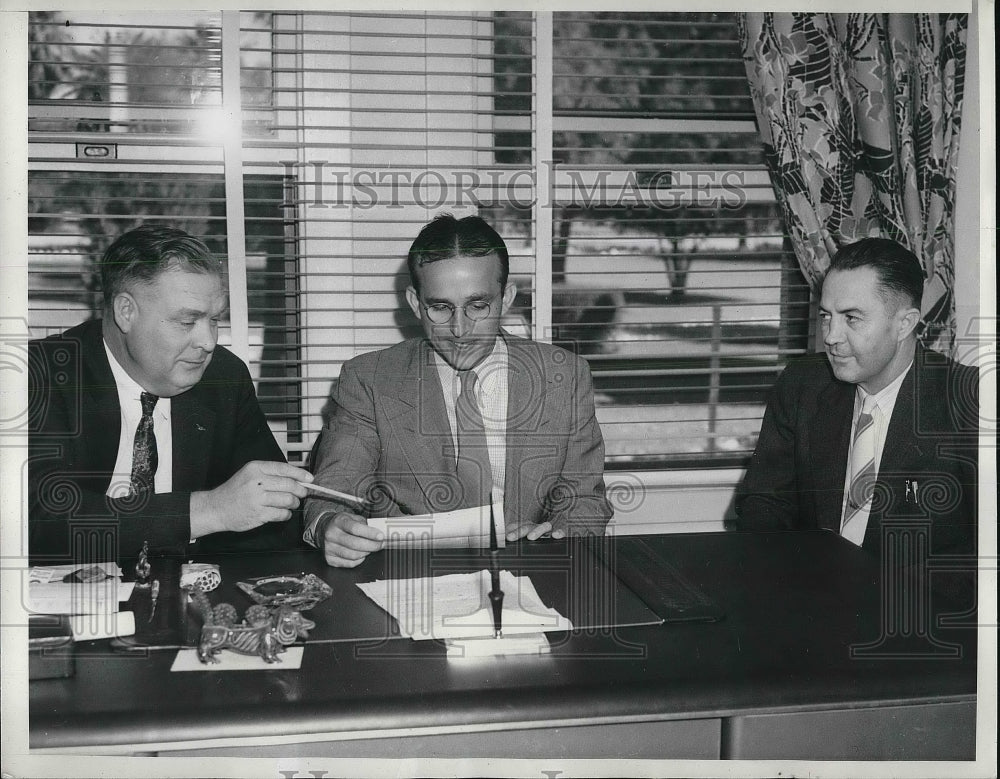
(801, 625)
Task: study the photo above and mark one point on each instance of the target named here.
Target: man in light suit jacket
(143, 429)
(924, 419)
(393, 433)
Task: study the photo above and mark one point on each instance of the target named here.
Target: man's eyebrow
(848, 310)
(471, 298)
(197, 312)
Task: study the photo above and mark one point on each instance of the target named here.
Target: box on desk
(50, 647)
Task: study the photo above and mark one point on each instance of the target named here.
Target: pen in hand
(333, 493)
(496, 594)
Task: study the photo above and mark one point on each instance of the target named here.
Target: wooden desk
(774, 678)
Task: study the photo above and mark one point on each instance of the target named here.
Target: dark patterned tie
(474, 473)
(144, 459)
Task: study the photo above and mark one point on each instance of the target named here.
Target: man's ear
(414, 302)
(509, 293)
(909, 318)
(124, 309)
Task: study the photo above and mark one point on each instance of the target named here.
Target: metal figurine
(496, 594)
(142, 566)
(263, 631)
(153, 595)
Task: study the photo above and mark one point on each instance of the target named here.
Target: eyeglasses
(474, 310)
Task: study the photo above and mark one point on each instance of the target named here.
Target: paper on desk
(458, 606)
(187, 660)
(468, 528)
(49, 594)
(90, 627)
(43, 574)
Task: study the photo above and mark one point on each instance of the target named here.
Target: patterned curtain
(860, 118)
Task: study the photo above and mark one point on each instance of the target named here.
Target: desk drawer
(673, 739)
(939, 731)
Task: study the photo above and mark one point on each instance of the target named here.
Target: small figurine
(142, 567)
(263, 631)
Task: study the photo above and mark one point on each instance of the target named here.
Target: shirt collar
(885, 398)
(126, 384)
(487, 371)
(128, 388)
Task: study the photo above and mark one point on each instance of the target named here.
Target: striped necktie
(473, 466)
(144, 457)
(863, 475)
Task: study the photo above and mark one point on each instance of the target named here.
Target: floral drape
(860, 117)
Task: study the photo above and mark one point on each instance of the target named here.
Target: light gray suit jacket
(389, 440)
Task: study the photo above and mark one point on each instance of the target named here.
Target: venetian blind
(616, 153)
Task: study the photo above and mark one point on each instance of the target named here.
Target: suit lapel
(901, 453)
(99, 404)
(192, 425)
(528, 384)
(413, 403)
(902, 448)
(829, 443)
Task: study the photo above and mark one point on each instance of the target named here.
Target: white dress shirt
(885, 402)
(131, 409)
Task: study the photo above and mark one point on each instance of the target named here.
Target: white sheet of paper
(468, 528)
(47, 593)
(458, 605)
(89, 627)
(77, 598)
(43, 574)
(187, 660)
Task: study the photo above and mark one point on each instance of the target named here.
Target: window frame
(243, 156)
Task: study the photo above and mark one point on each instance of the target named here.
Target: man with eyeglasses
(460, 416)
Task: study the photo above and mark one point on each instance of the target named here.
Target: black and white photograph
(497, 390)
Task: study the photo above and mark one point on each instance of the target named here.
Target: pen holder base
(520, 644)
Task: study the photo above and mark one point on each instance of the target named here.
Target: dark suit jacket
(389, 427)
(74, 428)
(797, 472)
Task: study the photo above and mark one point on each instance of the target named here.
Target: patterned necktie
(473, 466)
(863, 474)
(144, 458)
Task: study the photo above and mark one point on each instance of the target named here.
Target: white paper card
(289, 660)
(467, 528)
(90, 627)
(473, 648)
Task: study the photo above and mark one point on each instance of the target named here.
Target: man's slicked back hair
(142, 254)
(898, 269)
(446, 237)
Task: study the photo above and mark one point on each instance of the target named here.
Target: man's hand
(346, 539)
(533, 532)
(259, 492)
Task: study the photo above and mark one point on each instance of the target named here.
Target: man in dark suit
(399, 431)
(142, 428)
(876, 434)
